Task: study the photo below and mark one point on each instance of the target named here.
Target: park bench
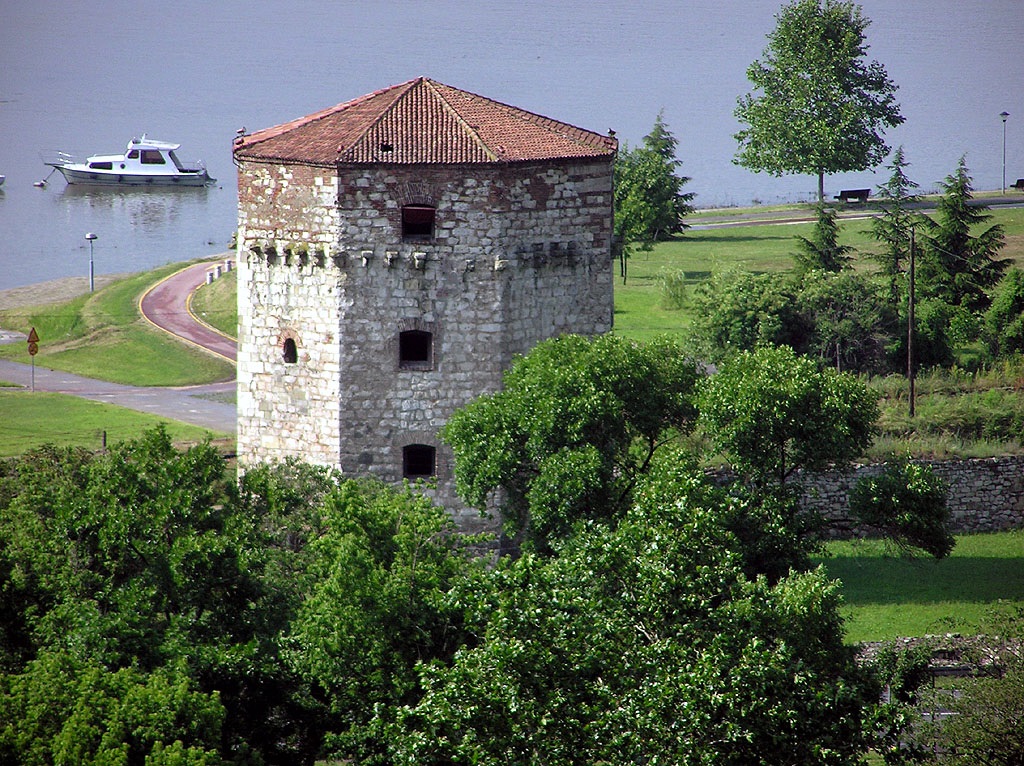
(851, 195)
(1018, 184)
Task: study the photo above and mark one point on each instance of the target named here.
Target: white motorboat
(144, 163)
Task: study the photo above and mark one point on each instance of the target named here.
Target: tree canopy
(893, 227)
(577, 422)
(649, 199)
(819, 105)
(773, 412)
(958, 265)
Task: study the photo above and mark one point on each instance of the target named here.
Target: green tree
(906, 503)
(384, 567)
(852, 325)
(772, 412)
(987, 722)
(1004, 319)
(740, 311)
(145, 559)
(577, 423)
(649, 199)
(957, 266)
(822, 251)
(892, 228)
(645, 644)
(819, 105)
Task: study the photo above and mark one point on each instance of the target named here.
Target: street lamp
(1004, 115)
(91, 237)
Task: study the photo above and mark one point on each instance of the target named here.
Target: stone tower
(395, 252)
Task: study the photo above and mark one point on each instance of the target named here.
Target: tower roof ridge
(421, 121)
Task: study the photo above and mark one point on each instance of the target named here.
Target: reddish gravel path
(166, 305)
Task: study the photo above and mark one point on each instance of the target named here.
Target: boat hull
(112, 178)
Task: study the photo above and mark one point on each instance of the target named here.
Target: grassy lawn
(639, 310)
(102, 335)
(888, 596)
(32, 419)
(216, 305)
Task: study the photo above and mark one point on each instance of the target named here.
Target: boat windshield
(153, 157)
(176, 161)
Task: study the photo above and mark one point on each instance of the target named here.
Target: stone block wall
(985, 495)
(520, 253)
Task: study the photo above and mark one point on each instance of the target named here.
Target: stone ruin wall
(520, 254)
(985, 495)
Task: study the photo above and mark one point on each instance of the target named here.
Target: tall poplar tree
(819, 105)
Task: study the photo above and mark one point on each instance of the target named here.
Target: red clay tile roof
(421, 121)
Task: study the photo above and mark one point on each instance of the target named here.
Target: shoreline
(53, 291)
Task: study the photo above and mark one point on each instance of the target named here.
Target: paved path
(197, 405)
(167, 306)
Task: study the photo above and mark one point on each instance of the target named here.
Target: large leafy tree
(959, 266)
(740, 311)
(143, 595)
(383, 571)
(646, 643)
(577, 423)
(852, 325)
(772, 412)
(818, 106)
(1004, 319)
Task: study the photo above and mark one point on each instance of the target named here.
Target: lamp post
(91, 237)
(1004, 115)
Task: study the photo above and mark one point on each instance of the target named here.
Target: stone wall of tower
(520, 253)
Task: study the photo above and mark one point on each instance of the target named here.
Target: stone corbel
(367, 255)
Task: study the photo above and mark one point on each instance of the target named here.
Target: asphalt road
(166, 305)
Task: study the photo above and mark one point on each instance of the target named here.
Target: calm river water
(86, 76)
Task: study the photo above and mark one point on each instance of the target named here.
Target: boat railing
(57, 157)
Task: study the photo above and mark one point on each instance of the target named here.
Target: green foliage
(907, 504)
(68, 710)
(142, 565)
(838, 317)
(892, 228)
(384, 568)
(741, 311)
(822, 251)
(645, 644)
(987, 725)
(852, 325)
(674, 289)
(649, 200)
(821, 106)
(1004, 319)
(957, 266)
(773, 412)
(577, 423)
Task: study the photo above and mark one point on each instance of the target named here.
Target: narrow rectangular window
(418, 221)
(415, 350)
(418, 461)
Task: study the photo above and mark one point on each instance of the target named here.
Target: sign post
(33, 349)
